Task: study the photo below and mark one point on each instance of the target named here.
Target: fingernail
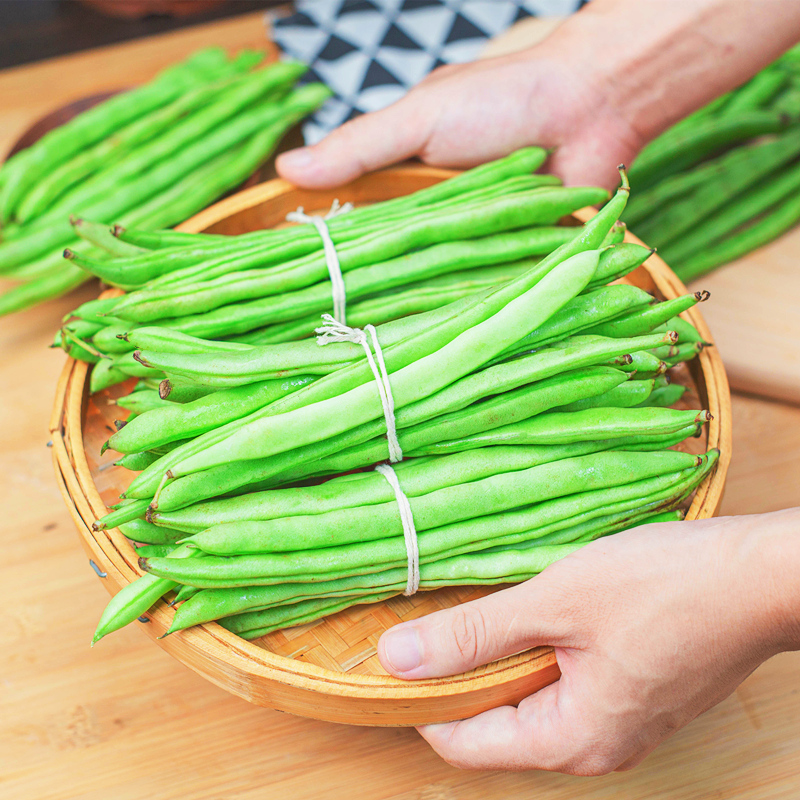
(299, 158)
(402, 650)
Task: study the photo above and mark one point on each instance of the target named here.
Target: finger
(463, 637)
(547, 731)
(506, 738)
(361, 145)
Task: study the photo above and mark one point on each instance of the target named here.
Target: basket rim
(523, 672)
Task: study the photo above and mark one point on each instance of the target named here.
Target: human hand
(464, 115)
(607, 81)
(651, 627)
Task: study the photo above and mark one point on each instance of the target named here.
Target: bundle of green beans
(533, 414)
(408, 255)
(149, 157)
(725, 180)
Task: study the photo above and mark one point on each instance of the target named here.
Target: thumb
(361, 145)
(458, 639)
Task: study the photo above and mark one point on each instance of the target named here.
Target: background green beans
(722, 182)
(149, 157)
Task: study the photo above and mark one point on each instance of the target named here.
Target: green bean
(387, 306)
(521, 162)
(138, 530)
(103, 375)
(126, 364)
(128, 511)
(788, 102)
(211, 259)
(93, 125)
(169, 341)
(308, 611)
(685, 330)
(109, 339)
(782, 188)
(388, 548)
(503, 377)
(141, 401)
(640, 322)
(672, 188)
(744, 168)
(757, 92)
(206, 183)
(625, 395)
(461, 316)
(684, 352)
(500, 410)
(153, 550)
(45, 234)
(137, 461)
(136, 598)
(92, 310)
(618, 261)
(775, 222)
(172, 421)
(401, 340)
(477, 567)
(41, 289)
(426, 439)
(642, 363)
(669, 155)
(359, 281)
(582, 312)
(79, 350)
(435, 370)
(520, 433)
(417, 476)
(664, 396)
(455, 503)
(542, 207)
(161, 239)
(101, 236)
(186, 133)
(84, 164)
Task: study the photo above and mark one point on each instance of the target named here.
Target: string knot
(335, 331)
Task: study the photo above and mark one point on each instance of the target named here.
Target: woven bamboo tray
(329, 670)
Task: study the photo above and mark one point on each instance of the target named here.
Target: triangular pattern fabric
(427, 26)
(370, 52)
(488, 15)
(378, 75)
(335, 48)
(394, 37)
(463, 29)
(412, 65)
(364, 29)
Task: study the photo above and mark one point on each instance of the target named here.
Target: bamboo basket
(329, 670)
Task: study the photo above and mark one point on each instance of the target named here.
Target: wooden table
(124, 721)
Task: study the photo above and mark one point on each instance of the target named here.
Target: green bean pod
(493, 494)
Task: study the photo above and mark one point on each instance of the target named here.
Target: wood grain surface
(125, 721)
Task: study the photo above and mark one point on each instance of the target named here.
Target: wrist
(653, 62)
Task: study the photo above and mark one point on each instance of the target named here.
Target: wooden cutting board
(754, 313)
(754, 310)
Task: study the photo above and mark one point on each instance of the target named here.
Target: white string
(409, 530)
(331, 256)
(335, 331)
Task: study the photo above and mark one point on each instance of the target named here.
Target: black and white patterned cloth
(371, 52)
